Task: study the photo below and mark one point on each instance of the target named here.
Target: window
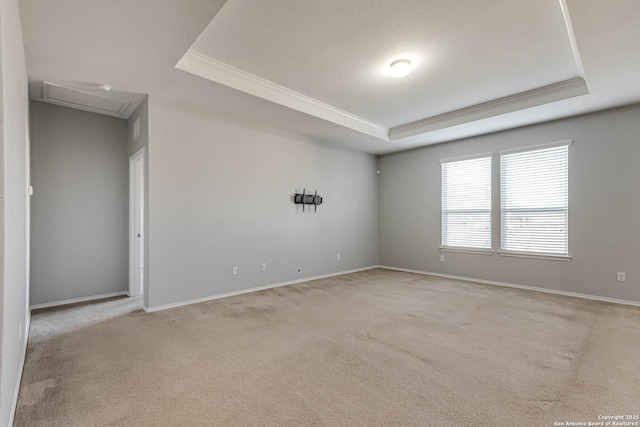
(466, 203)
(534, 201)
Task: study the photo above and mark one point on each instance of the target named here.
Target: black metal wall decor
(307, 199)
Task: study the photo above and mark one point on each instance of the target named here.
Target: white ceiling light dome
(400, 67)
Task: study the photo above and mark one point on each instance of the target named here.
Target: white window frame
(466, 249)
(528, 254)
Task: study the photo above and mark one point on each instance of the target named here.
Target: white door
(136, 223)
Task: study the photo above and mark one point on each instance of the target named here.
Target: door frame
(136, 213)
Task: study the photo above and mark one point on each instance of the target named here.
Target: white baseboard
(23, 357)
(76, 300)
(513, 285)
(249, 290)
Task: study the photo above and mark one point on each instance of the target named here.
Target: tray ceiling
(135, 46)
(472, 60)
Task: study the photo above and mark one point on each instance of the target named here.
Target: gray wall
(80, 217)
(14, 205)
(136, 145)
(220, 197)
(604, 201)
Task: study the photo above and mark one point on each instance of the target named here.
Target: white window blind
(534, 201)
(466, 203)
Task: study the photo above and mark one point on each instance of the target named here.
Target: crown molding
(572, 37)
(204, 66)
(520, 101)
(209, 68)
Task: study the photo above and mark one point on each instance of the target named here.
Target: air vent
(83, 100)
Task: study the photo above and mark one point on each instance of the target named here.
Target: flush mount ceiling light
(400, 67)
(104, 87)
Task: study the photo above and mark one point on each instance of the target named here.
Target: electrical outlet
(621, 277)
(299, 270)
(263, 267)
(338, 257)
(234, 270)
(441, 258)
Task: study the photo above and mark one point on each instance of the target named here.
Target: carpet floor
(374, 348)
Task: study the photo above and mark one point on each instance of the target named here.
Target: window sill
(536, 256)
(467, 250)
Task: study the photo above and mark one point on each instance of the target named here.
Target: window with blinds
(534, 201)
(466, 203)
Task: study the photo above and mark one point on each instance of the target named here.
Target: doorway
(136, 223)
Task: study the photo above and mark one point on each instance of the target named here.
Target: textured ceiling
(135, 46)
(465, 52)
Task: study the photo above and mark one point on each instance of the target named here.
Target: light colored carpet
(374, 348)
